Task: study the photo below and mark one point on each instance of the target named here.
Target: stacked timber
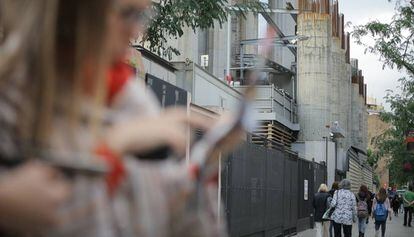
(272, 135)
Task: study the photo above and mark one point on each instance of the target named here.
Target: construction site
(311, 108)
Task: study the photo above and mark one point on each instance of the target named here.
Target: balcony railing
(274, 104)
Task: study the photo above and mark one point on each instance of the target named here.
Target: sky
(378, 79)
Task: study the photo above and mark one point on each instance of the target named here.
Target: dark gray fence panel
(290, 194)
(305, 184)
(294, 192)
(274, 196)
(263, 191)
(320, 175)
(247, 191)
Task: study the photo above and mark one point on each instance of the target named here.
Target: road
(395, 228)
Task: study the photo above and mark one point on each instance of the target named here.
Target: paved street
(395, 228)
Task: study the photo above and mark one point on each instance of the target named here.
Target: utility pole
(228, 53)
(328, 127)
(326, 158)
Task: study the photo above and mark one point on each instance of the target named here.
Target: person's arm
(405, 200)
(329, 201)
(374, 204)
(354, 208)
(334, 199)
(147, 133)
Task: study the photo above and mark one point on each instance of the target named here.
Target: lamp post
(326, 151)
(326, 158)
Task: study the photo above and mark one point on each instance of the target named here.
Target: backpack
(362, 209)
(380, 212)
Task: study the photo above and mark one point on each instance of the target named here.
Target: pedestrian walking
(370, 202)
(345, 209)
(408, 199)
(362, 198)
(395, 204)
(334, 188)
(321, 204)
(381, 210)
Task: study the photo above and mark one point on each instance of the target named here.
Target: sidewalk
(395, 228)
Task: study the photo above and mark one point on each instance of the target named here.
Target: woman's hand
(146, 134)
(30, 198)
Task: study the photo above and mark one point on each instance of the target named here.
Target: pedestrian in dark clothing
(335, 186)
(370, 202)
(362, 209)
(320, 205)
(395, 204)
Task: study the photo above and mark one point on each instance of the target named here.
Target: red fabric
(116, 168)
(118, 75)
(409, 139)
(194, 171)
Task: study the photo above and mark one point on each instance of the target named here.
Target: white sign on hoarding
(305, 191)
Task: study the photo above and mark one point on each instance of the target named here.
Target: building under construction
(312, 97)
(311, 108)
(331, 95)
(227, 53)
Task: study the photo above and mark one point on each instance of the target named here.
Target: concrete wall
(359, 131)
(188, 46)
(213, 42)
(345, 107)
(159, 71)
(337, 63)
(205, 89)
(314, 76)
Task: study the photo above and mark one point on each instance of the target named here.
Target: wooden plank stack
(272, 135)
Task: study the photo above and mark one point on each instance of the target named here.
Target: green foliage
(394, 41)
(391, 143)
(172, 16)
(372, 158)
(377, 180)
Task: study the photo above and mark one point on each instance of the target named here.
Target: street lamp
(326, 150)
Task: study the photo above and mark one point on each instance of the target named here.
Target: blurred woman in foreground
(65, 97)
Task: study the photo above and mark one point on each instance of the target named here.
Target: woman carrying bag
(320, 205)
(344, 214)
(381, 210)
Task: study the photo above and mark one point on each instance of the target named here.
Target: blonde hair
(323, 188)
(50, 44)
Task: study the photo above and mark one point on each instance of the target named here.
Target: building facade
(331, 95)
(376, 128)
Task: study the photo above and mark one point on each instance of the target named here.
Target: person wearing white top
(345, 209)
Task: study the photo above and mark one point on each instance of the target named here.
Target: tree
(394, 43)
(172, 16)
(372, 158)
(392, 142)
